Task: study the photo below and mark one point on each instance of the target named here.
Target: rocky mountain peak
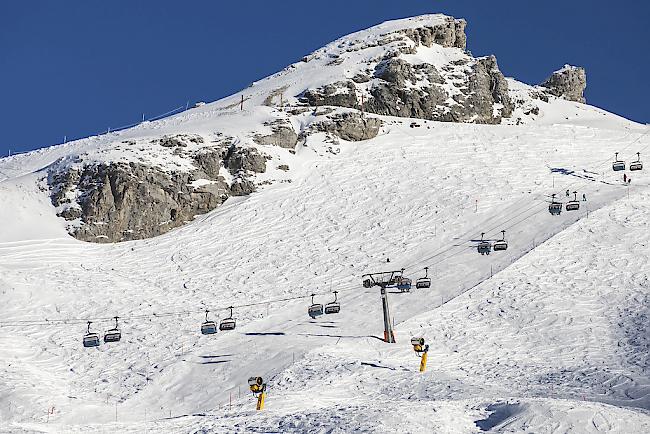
(145, 181)
(569, 83)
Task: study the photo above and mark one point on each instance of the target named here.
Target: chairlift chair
(484, 247)
(333, 307)
(423, 282)
(501, 244)
(636, 165)
(555, 208)
(618, 165)
(404, 284)
(90, 339)
(573, 205)
(114, 334)
(316, 309)
(208, 327)
(227, 324)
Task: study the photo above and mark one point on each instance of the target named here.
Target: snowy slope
(555, 341)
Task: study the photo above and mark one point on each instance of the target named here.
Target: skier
(624, 178)
(584, 197)
(629, 180)
(567, 193)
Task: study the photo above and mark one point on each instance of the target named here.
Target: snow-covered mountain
(389, 148)
(147, 180)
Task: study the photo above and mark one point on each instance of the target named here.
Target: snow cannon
(421, 350)
(256, 384)
(258, 387)
(418, 344)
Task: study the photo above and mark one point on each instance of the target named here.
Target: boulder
(350, 126)
(283, 135)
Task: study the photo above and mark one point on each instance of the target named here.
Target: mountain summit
(144, 181)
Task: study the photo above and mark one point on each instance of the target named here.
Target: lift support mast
(385, 279)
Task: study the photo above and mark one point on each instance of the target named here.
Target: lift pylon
(384, 279)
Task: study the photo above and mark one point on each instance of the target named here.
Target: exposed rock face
(120, 202)
(568, 83)
(487, 87)
(245, 159)
(112, 202)
(209, 162)
(341, 94)
(483, 99)
(283, 135)
(450, 34)
(178, 140)
(463, 90)
(351, 126)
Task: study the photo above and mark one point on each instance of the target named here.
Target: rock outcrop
(416, 68)
(464, 90)
(568, 83)
(418, 91)
(350, 126)
(117, 201)
(449, 34)
(120, 202)
(340, 94)
(283, 135)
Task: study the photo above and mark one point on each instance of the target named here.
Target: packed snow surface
(549, 336)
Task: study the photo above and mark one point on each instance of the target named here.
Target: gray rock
(70, 213)
(120, 202)
(245, 159)
(361, 78)
(414, 103)
(449, 34)
(179, 140)
(331, 94)
(242, 187)
(209, 161)
(568, 83)
(283, 135)
(171, 142)
(419, 91)
(487, 86)
(396, 71)
(351, 126)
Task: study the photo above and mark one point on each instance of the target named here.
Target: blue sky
(78, 67)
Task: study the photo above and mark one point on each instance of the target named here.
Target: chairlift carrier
(484, 247)
(636, 165)
(316, 309)
(334, 306)
(555, 208)
(618, 165)
(208, 327)
(423, 282)
(227, 324)
(573, 205)
(114, 334)
(90, 339)
(501, 244)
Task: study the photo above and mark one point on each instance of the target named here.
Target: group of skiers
(626, 180)
(584, 196)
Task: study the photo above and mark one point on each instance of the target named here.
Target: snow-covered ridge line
(142, 182)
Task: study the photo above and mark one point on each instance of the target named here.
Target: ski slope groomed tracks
(555, 343)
